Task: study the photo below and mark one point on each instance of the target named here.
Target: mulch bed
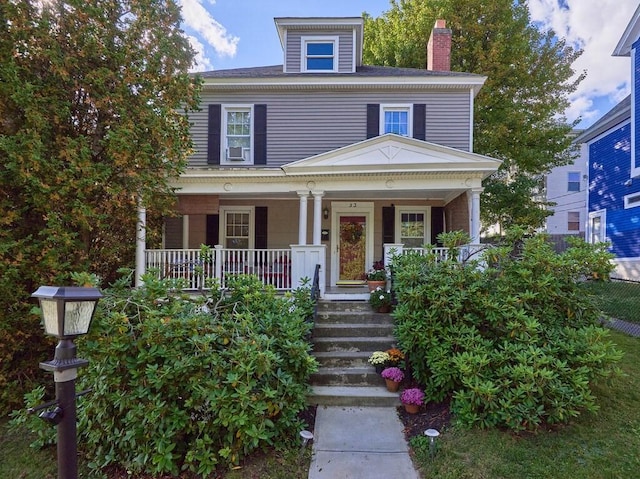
(432, 416)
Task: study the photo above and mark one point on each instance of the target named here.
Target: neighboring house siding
(636, 104)
(609, 169)
(302, 124)
(294, 48)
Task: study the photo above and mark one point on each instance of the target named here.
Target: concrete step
(363, 317)
(348, 306)
(340, 359)
(336, 330)
(347, 376)
(354, 343)
(356, 396)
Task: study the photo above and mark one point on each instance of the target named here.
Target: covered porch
(340, 210)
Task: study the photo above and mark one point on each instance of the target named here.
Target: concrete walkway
(359, 443)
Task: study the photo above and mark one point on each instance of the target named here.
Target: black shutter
(373, 120)
(213, 141)
(261, 227)
(419, 120)
(388, 225)
(260, 134)
(213, 230)
(437, 223)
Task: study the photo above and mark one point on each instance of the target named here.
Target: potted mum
(379, 359)
(380, 300)
(377, 276)
(393, 377)
(412, 399)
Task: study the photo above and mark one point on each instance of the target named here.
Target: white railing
(271, 266)
(440, 254)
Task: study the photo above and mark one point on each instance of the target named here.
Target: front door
(353, 241)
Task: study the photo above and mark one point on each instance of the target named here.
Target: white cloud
(202, 63)
(595, 26)
(196, 16)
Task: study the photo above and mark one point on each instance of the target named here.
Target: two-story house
(324, 160)
(610, 149)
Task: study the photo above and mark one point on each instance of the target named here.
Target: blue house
(610, 148)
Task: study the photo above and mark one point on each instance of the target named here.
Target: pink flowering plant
(412, 396)
(393, 374)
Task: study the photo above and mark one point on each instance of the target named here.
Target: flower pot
(376, 284)
(412, 408)
(386, 308)
(392, 386)
(379, 368)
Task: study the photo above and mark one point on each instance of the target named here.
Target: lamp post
(67, 312)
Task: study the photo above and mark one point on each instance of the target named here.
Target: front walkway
(359, 443)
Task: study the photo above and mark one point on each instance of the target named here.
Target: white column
(185, 231)
(302, 218)
(475, 215)
(141, 244)
(317, 217)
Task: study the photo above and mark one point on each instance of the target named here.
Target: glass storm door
(352, 251)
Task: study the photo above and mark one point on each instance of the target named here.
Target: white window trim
(223, 133)
(318, 39)
(632, 200)
(397, 107)
(603, 224)
(223, 210)
(426, 210)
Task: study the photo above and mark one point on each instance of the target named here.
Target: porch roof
(384, 166)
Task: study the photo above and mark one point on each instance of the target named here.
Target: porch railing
(465, 252)
(271, 266)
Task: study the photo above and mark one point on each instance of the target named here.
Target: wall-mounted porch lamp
(325, 213)
(67, 312)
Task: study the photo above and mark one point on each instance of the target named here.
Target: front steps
(344, 336)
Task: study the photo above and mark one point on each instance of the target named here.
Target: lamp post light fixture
(67, 312)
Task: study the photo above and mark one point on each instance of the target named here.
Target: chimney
(439, 48)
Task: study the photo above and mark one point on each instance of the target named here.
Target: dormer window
(320, 54)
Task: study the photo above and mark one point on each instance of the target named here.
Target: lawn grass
(618, 299)
(604, 445)
(19, 461)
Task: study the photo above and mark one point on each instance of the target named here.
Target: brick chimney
(439, 48)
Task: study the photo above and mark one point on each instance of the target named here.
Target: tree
(92, 101)
(519, 113)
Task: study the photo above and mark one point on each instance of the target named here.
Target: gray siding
(293, 49)
(303, 124)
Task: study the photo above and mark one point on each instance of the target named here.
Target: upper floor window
(573, 183)
(396, 119)
(320, 54)
(237, 128)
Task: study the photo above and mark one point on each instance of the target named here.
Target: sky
(241, 33)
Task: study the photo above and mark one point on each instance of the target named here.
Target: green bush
(183, 383)
(510, 336)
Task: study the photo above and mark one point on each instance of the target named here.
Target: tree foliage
(92, 96)
(516, 343)
(519, 113)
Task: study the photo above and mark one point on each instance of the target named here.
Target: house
(324, 161)
(566, 186)
(610, 148)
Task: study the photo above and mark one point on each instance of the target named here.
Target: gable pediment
(392, 153)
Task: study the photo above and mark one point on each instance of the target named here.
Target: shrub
(182, 383)
(516, 343)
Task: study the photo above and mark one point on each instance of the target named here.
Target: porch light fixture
(325, 213)
(67, 312)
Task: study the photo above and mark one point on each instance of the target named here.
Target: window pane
(320, 49)
(319, 63)
(573, 221)
(573, 181)
(396, 122)
(237, 230)
(412, 229)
